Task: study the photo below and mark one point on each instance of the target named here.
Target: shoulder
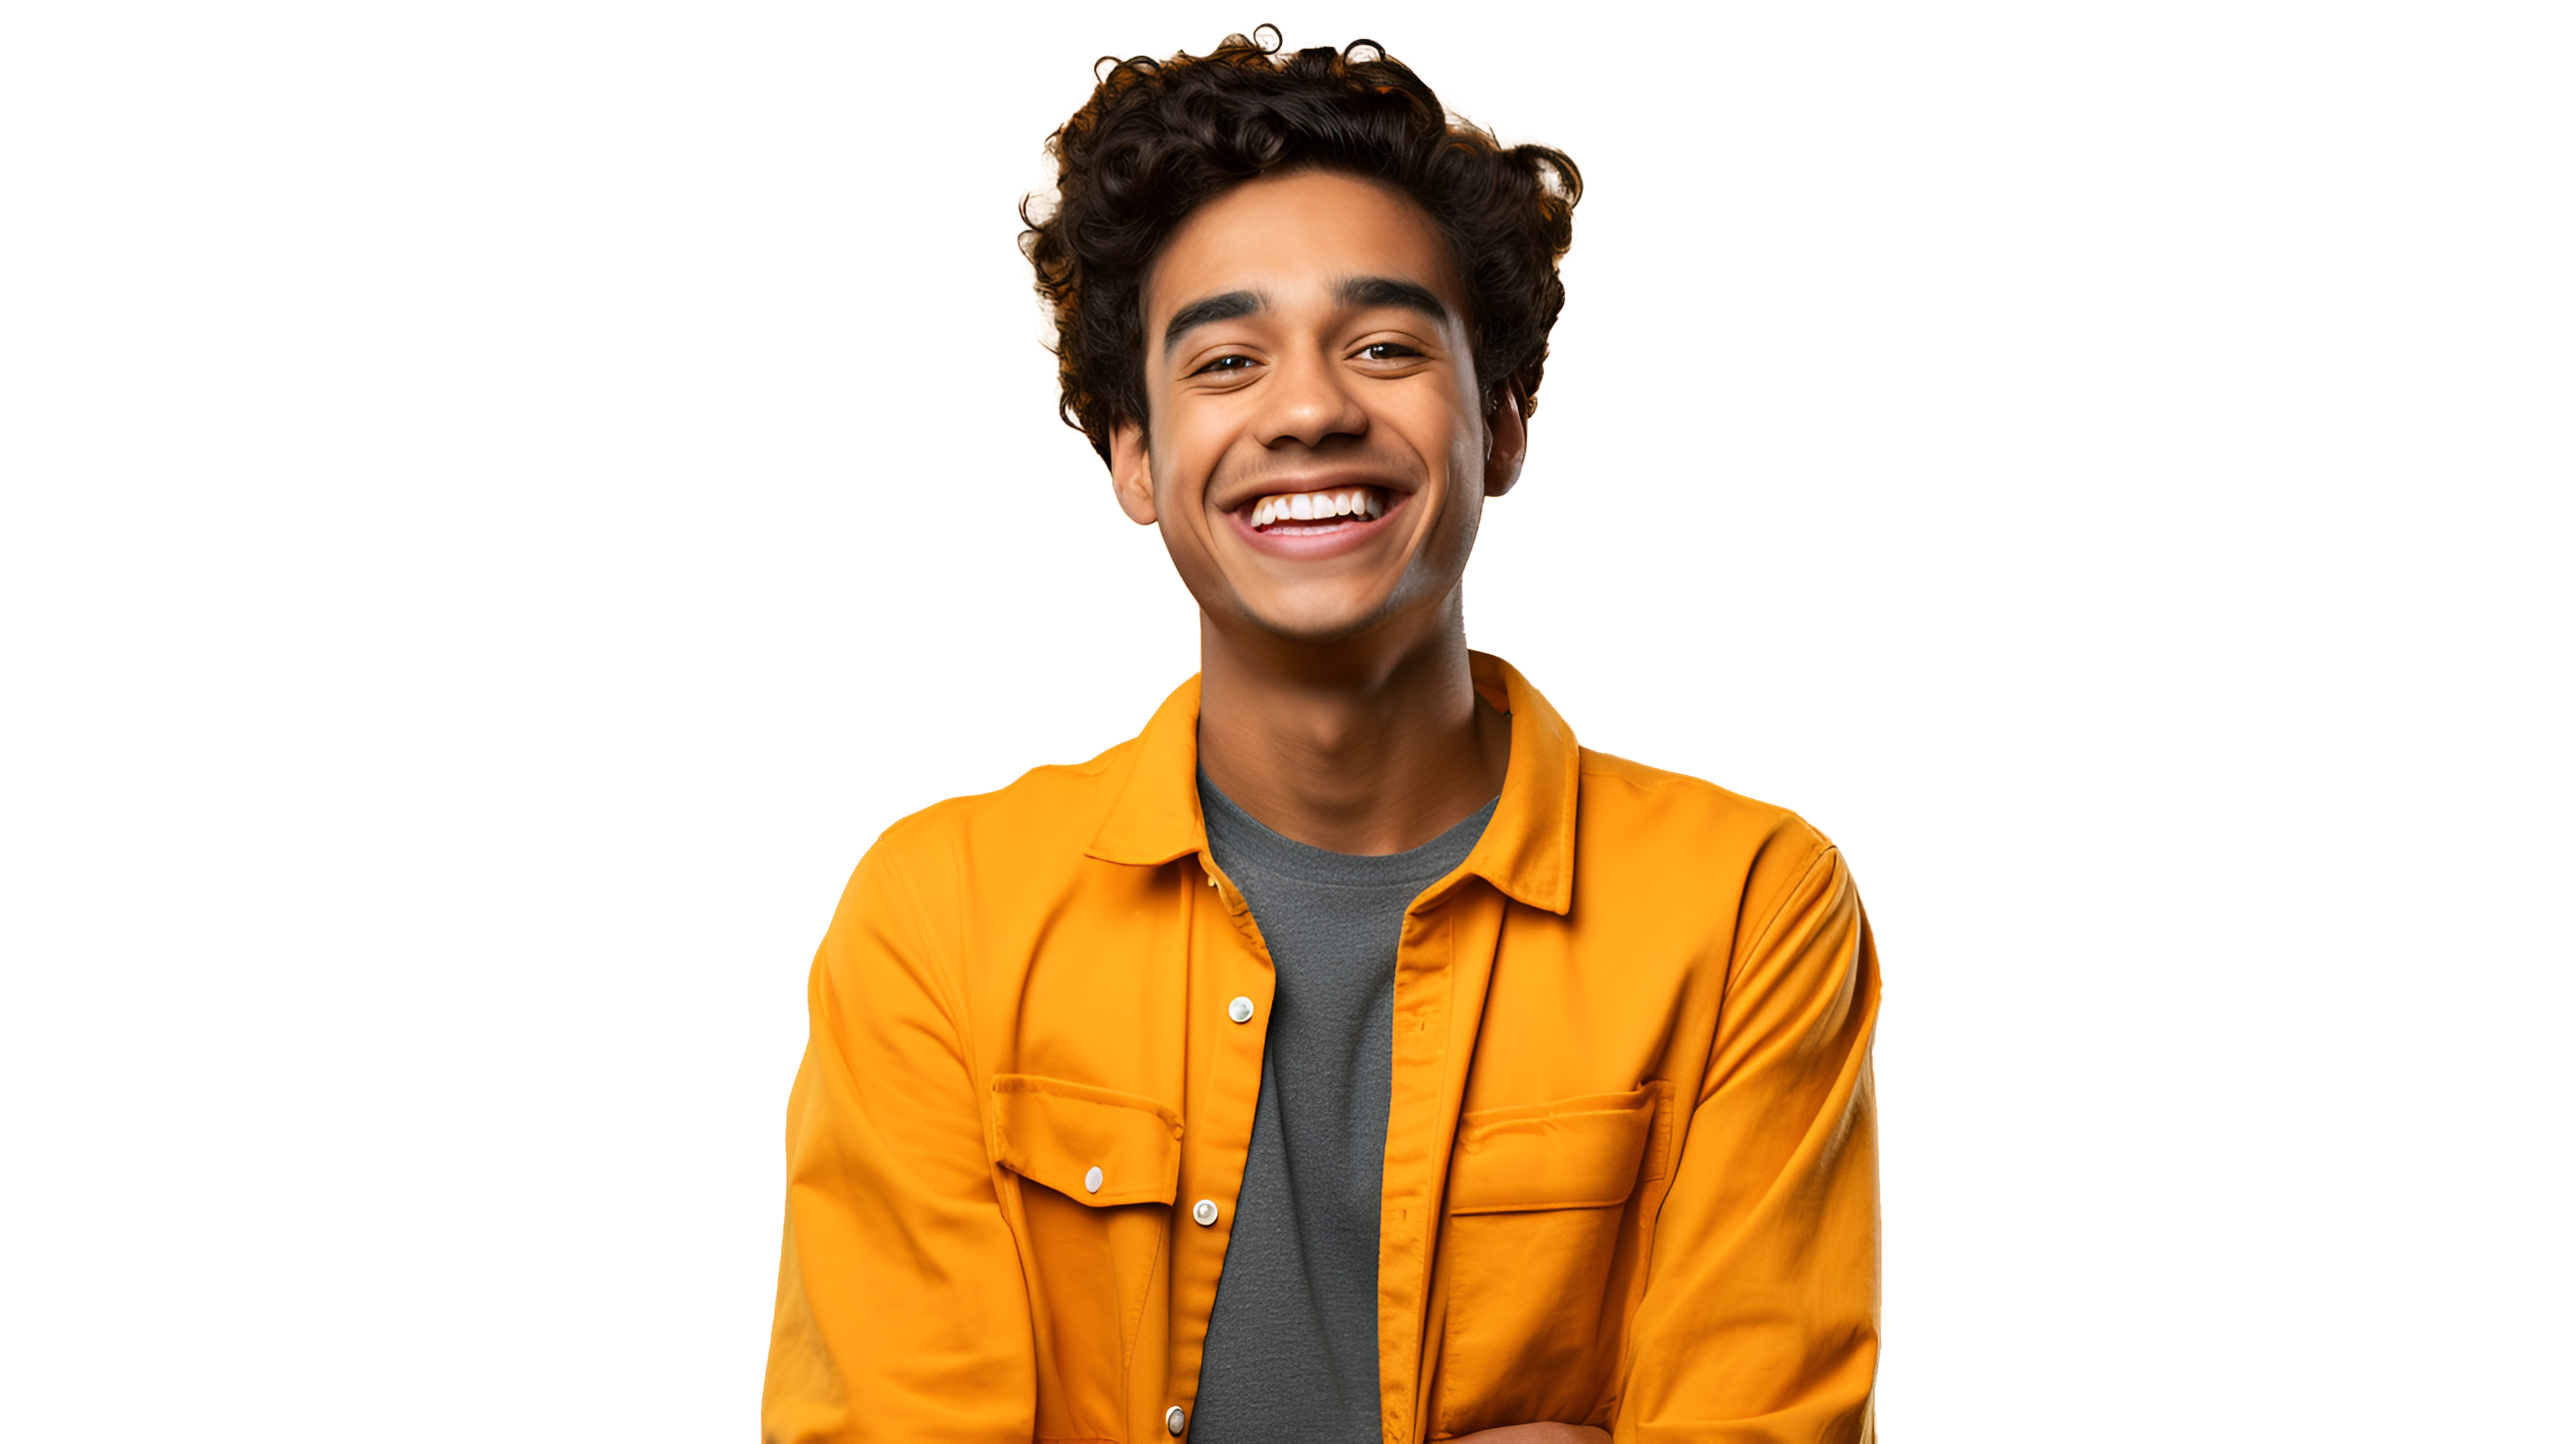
(1034, 825)
(1669, 841)
(985, 849)
(1632, 798)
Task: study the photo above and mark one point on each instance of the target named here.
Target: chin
(1314, 623)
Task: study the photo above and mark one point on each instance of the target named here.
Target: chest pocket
(1098, 1171)
(1549, 1213)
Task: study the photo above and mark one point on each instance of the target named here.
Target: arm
(901, 1309)
(1760, 1320)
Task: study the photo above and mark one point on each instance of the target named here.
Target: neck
(1371, 745)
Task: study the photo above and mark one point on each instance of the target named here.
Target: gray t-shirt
(1292, 1342)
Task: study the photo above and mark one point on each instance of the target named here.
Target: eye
(1388, 351)
(1225, 366)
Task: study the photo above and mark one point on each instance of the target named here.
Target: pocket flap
(1576, 1153)
(1055, 1133)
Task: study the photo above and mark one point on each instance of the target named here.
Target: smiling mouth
(1295, 512)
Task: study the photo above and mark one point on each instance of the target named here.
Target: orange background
(947, 588)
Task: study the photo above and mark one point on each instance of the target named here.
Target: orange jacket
(1631, 1156)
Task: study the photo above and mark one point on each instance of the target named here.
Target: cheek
(1185, 453)
(1445, 418)
(1452, 439)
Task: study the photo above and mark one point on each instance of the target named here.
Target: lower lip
(1346, 534)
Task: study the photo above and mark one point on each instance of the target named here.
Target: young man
(1350, 1056)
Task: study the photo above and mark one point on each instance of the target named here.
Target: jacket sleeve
(902, 1313)
(1759, 1323)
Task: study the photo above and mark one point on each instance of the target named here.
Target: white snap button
(1175, 1421)
(1240, 1010)
(1091, 1180)
(1205, 1212)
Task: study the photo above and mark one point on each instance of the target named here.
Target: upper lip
(1238, 498)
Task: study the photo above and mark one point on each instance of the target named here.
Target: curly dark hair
(1158, 139)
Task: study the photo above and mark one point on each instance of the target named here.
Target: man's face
(1318, 456)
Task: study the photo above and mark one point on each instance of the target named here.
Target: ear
(1131, 472)
(1506, 442)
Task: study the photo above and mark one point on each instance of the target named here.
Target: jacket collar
(1527, 851)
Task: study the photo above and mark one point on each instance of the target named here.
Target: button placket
(1225, 1092)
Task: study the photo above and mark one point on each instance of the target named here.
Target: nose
(1309, 401)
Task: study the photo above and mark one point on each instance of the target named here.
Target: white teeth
(1363, 502)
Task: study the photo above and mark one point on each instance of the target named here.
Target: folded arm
(1759, 1323)
(901, 1312)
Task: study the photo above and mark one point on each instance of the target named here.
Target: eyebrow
(1230, 306)
(1366, 291)
(1387, 291)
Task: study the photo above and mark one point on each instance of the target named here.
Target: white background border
(2193, 463)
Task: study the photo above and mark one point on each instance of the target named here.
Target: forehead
(1297, 237)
